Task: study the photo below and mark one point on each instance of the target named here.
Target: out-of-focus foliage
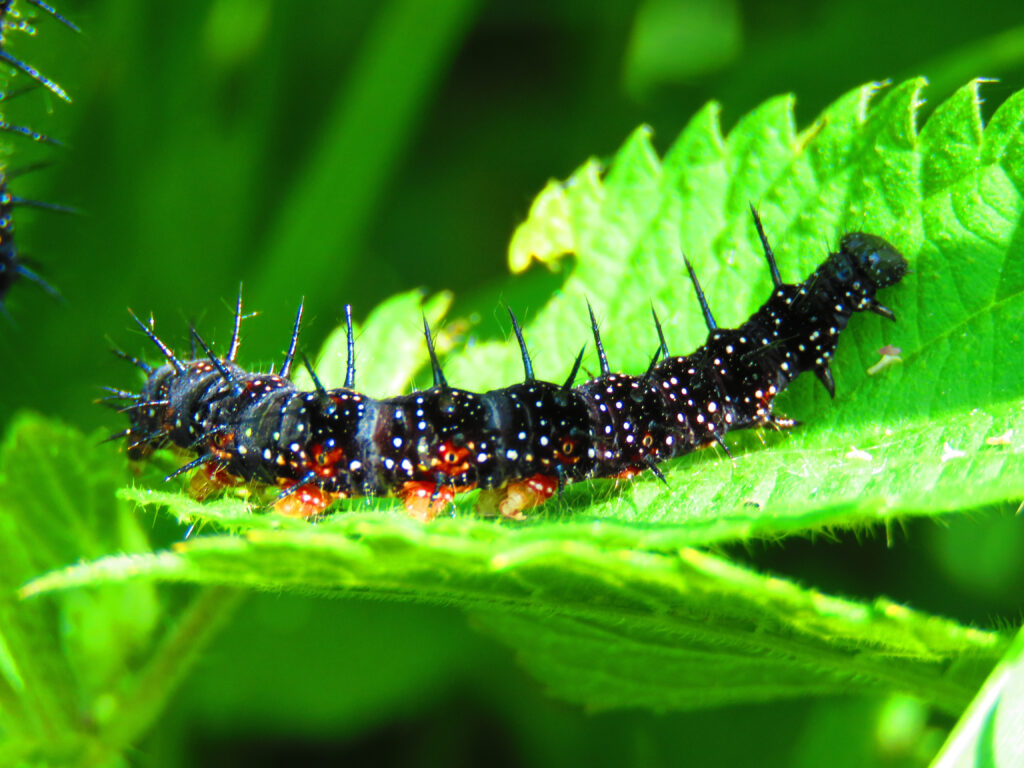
(989, 732)
(347, 151)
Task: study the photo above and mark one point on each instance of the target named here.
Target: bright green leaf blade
(902, 441)
(989, 735)
(600, 625)
(840, 476)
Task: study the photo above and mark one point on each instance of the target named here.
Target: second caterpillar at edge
(520, 444)
(13, 266)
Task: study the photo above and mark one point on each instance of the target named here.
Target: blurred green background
(345, 151)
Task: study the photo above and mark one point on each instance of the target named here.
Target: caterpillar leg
(209, 480)
(776, 421)
(425, 501)
(512, 499)
(305, 502)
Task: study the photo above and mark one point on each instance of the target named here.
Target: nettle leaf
(602, 626)
(941, 430)
(599, 592)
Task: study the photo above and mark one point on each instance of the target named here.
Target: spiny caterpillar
(520, 444)
(13, 266)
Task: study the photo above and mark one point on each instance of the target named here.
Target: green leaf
(81, 673)
(61, 654)
(601, 625)
(600, 592)
(940, 431)
(989, 733)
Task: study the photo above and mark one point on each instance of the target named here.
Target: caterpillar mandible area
(520, 444)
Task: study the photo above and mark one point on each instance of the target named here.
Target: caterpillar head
(875, 257)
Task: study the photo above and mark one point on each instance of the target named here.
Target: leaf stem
(201, 621)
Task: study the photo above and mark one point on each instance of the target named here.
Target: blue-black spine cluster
(13, 266)
(519, 444)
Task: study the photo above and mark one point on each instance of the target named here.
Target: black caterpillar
(519, 444)
(13, 266)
